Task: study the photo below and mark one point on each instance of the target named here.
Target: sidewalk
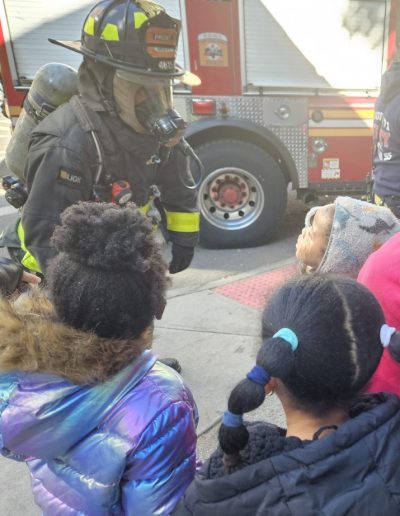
(214, 332)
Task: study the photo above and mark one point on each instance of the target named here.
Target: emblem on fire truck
(213, 49)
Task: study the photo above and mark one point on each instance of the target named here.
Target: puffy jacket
(104, 428)
(381, 275)
(352, 471)
(62, 163)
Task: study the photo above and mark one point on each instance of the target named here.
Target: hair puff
(109, 276)
(105, 236)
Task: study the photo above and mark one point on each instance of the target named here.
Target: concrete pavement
(214, 331)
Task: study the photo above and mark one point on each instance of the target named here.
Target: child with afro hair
(103, 426)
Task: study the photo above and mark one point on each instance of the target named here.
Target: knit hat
(381, 275)
(359, 228)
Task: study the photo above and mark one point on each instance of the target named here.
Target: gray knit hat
(359, 228)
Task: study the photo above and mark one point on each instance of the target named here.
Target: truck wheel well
(229, 133)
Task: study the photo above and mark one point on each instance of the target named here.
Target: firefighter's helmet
(132, 35)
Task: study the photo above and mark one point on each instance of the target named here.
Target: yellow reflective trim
(89, 26)
(138, 19)
(379, 201)
(145, 208)
(183, 222)
(110, 32)
(367, 131)
(28, 261)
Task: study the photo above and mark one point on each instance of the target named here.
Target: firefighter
(128, 146)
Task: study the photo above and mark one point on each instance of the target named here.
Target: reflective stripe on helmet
(132, 35)
(138, 19)
(110, 32)
(183, 222)
(89, 26)
(28, 261)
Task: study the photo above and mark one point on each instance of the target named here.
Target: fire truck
(286, 99)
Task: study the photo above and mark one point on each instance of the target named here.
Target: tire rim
(231, 198)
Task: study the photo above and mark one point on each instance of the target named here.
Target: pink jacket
(381, 275)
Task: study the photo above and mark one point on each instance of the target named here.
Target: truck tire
(242, 197)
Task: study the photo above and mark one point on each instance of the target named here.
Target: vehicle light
(203, 107)
(319, 145)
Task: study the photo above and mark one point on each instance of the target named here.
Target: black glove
(10, 275)
(181, 258)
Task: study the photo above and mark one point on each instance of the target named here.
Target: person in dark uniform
(120, 139)
(386, 161)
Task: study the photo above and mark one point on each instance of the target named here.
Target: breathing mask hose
(188, 152)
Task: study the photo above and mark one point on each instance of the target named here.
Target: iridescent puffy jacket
(104, 428)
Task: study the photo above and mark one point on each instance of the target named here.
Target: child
(339, 237)
(102, 425)
(381, 275)
(339, 453)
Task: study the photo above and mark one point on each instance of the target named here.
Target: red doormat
(257, 290)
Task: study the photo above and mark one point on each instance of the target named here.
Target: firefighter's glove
(10, 276)
(181, 258)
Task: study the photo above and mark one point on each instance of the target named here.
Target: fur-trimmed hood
(63, 381)
(33, 340)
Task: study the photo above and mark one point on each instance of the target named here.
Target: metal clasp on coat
(153, 160)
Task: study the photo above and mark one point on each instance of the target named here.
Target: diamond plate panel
(291, 132)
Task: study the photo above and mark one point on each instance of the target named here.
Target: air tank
(53, 85)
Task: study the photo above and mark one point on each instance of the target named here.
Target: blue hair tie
(289, 336)
(259, 375)
(232, 420)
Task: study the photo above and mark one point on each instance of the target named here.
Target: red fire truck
(287, 95)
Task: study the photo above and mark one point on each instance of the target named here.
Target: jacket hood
(32, 339)
(59, 376)
(332, 475)
(95, 85)
(96, 89)
(359, 228)
(381, 275)
(390, 85)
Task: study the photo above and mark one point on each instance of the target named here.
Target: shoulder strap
(90, 123)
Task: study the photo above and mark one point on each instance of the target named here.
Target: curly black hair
(109, 276)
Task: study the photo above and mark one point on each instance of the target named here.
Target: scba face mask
(145, 104)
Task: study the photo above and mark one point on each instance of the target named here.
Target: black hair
(109, 276)
(337, 322)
